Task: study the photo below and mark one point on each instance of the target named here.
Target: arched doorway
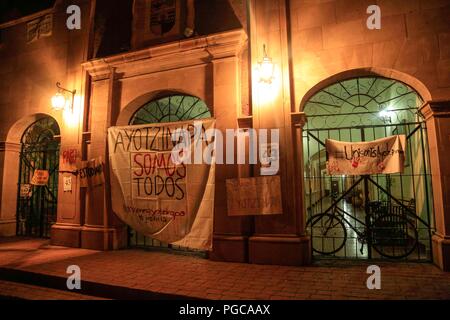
(368, 217)
(166, 109)
(37, 199)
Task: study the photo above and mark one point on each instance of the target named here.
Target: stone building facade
(313, 44)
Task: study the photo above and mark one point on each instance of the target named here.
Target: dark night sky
(13, 9)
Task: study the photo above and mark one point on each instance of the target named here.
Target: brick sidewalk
(13, 290)
(193, 277)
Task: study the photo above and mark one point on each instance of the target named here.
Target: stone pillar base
(441, 252)
(103, 239)
(280, 250)
(66, 235)
(230, 248)
(7, 228)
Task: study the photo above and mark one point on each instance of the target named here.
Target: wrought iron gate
(379, 216)
(37, 205)
(171, 108)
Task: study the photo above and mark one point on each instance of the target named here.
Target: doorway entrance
(368, 217)
(37, 201)
(167, 109)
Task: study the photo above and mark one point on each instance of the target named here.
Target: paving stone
(29, 292)
(183, 275)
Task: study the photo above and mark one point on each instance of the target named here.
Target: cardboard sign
(25, 190)
(254, 196)
(383, 156)
(40, 178)
(91, 173)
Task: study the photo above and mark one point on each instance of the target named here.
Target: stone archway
(9, 163)
(354, 106)
(373, 71)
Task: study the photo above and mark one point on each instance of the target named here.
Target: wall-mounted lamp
(59, 101)
(266, 69)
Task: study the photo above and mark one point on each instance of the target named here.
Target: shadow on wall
(215, 16)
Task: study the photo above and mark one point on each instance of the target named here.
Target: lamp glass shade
(266, 70)
(58, 101)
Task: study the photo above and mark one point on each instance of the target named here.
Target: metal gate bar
(414, 178)
(37, 210)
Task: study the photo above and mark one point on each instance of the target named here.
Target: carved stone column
(437, 116)
(101, 230)
(278, 239)
(9, 169)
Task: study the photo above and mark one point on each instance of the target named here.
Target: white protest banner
(384, 156)
(157, 196)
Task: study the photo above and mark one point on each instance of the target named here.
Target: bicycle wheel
(328, 234)
(394, 236)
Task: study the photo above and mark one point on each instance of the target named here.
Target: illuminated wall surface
(334, 69)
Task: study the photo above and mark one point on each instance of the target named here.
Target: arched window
(41, 134)
(362, 101)
(172, 108)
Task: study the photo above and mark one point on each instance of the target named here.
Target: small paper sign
(25, 190)
(67, 184)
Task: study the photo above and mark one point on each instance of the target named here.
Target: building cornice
(436, 109)
(25, 19)
(298, 119)
(174, 55)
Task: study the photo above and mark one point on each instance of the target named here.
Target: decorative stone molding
(28, 18)
(298, 119)
(9, 146)
(174, 55)
(245, 122)
(8, 221)
(436, 109)
(437, 115)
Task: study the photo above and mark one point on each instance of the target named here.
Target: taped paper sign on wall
(67, 181)
(165, 200)
(384, 156)
(254, 196)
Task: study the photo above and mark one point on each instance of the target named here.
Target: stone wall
(329, 37)
(28, 74)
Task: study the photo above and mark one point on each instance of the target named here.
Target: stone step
(89, 289)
